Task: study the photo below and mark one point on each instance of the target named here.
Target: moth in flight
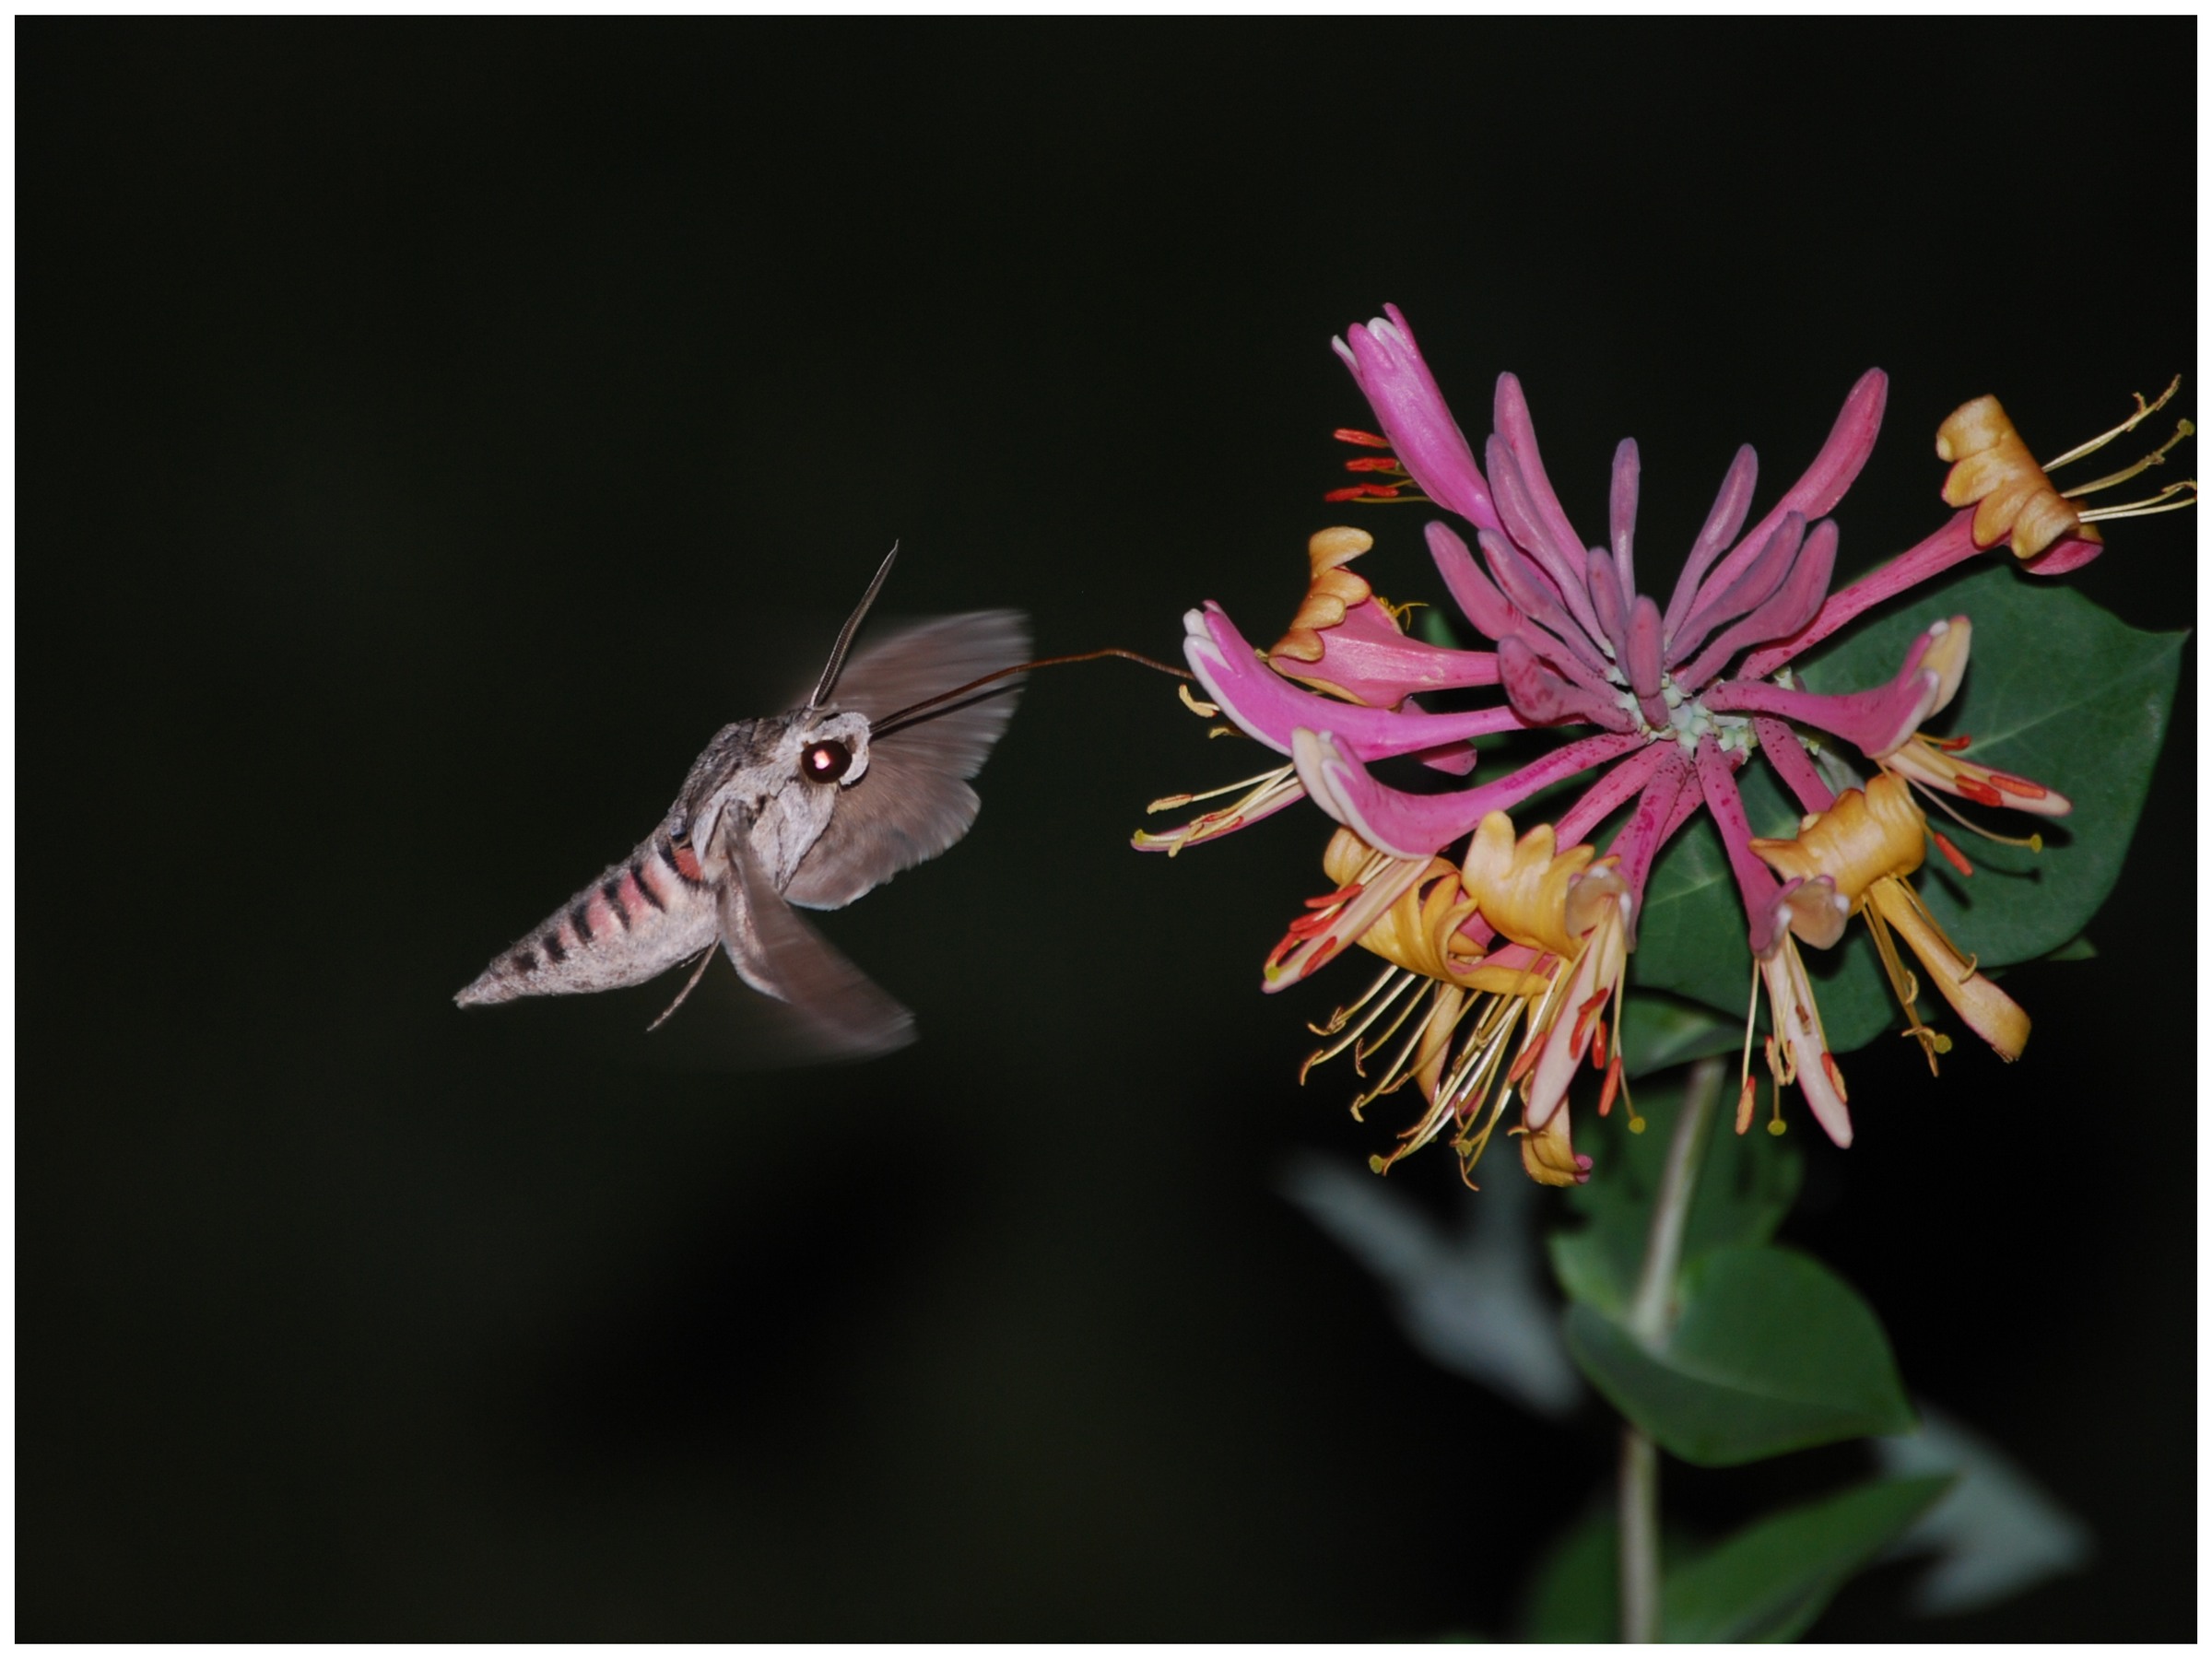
(809, 808)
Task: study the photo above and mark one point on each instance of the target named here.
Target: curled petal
(1878, 720)
(1804, 1059)
(1567, 1041)
(1345, 641)
(1988, 1012)
(2013, 501)
(1387, 365)
(2069, 553)
(1868, 835)
(1367, 658)
(1267, 707)
(1411, 826)
(1812, 910)
(1333, 925)
(1531, 893)
(1547, 1152)
(1934, 767)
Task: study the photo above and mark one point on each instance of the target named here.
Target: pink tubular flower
(1507, 960)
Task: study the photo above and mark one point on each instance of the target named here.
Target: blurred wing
(914, 802)
(843, 1013)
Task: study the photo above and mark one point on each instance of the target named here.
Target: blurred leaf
(1434, 627)
(1744, 1188)
(2076, 950)
(1659, 1031)
(1473, 1300)
(1771, 1352)
(1771, 1580)
(2061, 691)
(1575, 1595)
(1995, 1534)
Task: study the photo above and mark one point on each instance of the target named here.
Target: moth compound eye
(824, 762)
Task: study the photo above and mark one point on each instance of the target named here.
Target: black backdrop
(428, 435)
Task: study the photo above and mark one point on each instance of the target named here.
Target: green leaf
(1744, 1188)
(2061, 691)
(2076, 950)
(1656, 1032)
(1435, 628)
(1771, 1580)
(1575, 1595)
(1772, 1353)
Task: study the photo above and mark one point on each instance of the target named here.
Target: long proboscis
(891, 722)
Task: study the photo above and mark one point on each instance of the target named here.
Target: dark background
(428, 436)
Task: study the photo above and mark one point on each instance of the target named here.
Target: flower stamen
(2144, 411)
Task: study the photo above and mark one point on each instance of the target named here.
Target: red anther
(1342, 895)
(1973, 789)
(1381, 463)
(1952, 746)
(2026, 788)
(1944, 846)
(1835, 1073)
(1352, 494)
(1527, 1058)
(1354, 435)
(1612, 1088)
(1284, 948)
(1581, 1023)
(1597, 1043)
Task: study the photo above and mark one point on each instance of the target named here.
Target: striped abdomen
(641, 917)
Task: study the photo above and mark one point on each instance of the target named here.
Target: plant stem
(1650, 1317)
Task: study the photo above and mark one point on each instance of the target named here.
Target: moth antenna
(878, 728)
(690, 985)
(827, 683)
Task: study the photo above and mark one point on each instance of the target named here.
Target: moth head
(831, 750)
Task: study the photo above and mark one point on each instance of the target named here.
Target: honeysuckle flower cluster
(1506, 946)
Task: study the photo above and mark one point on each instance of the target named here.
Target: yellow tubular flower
(1334, 592)
(1420, 930)
(1569, 905)
(1533, 894)
(1993, 471)
(1865, 845)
